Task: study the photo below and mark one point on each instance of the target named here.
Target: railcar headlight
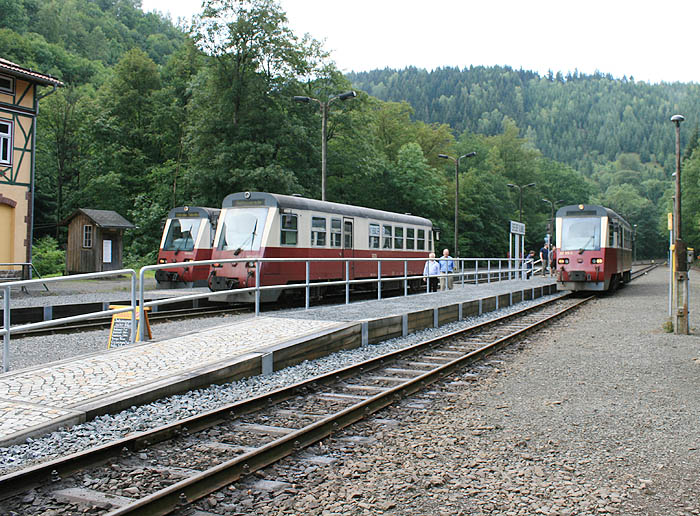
(187, 259)
(563, 260)
(250, 264)
(216, 265)
(596, 260)
(162, 260)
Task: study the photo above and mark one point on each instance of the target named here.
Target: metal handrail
(7, 329)
(307, 283)
(23, 265)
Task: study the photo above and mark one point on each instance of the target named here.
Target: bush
(47, 258)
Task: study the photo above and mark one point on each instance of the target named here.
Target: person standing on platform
(431, 271)
(447, 267)
(544, 256)
(529, 261)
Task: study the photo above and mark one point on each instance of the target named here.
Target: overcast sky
(651, 41)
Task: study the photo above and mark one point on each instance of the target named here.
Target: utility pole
(680, 253)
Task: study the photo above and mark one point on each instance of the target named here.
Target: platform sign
(120, 329)
(517, 228)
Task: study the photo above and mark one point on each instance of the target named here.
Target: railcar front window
(182, 234)
(580, 233)
(242, 229)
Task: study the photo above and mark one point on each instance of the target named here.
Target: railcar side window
(87, 236)
(398, 238)
(386, 233)
(289, 229)
(410, 238)
(374, 236)
(420, 242)
(318, 231)
(336, 233)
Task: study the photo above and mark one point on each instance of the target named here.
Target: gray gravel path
(599, 414)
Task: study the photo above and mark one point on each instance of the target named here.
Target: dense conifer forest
(156, 115)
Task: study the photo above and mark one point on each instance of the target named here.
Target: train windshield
(182, 234)
(242, 228)
(580, 233)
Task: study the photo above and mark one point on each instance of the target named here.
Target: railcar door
(348, 245)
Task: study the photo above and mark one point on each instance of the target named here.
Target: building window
(336, 232)
(398, 238)
(374, 236)
(387, 234)
(87, 236)
(288, 235)
(420, 242)
(410, 238)
(318, 231)
(7, 84)
(5, 142)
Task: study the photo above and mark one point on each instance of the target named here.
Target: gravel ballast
(164, 411)
(598, 414)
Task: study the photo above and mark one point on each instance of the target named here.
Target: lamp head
(510, 185)
(347, 95)
(443, 156)
(299, 98)
(469, 154)
(677, 118)
(531, 184)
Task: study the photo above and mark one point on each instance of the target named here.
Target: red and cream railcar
(594, 248)
(188, 236)
(265, 225)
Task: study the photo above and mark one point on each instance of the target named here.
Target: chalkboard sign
(120, 332)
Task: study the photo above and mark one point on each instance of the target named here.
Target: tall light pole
(325, 105)
(457, 160)
(634, 245)
(681, 326)
(520, 188)
(551, 219)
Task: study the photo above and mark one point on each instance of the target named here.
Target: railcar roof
(302, 203)
(583, 210)
(200, 211)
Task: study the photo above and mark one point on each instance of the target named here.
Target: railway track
(170, 468)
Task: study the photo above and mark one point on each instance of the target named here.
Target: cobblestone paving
(15, 417)
(65, 384)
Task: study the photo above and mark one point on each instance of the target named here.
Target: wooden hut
(95, 241)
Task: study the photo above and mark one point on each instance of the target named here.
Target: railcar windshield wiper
(589, 241)
(251, 238)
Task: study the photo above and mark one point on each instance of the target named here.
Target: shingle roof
(26, 73)
(105, 218)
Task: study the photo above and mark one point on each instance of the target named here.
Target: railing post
(6, 337)
(405, 278)
(461, 277)
(488, 270)
(257, 288)
(308, 288)
(500, 273)
(141, 301)
(379, 278)
(347, 282)
(134, 307)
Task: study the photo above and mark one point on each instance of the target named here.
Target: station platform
(38, 400)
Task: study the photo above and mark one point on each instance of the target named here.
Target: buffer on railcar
(265, 225)
(188, 236)
(594, 248)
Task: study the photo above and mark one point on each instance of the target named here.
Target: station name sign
(517, 228)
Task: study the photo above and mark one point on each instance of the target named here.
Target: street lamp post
(520, 188)
(634, 245)
(551, 219)
(681, 326)
(325, 105)
(457, 160)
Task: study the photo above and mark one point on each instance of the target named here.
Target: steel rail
(24, 479)
(200, 485)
